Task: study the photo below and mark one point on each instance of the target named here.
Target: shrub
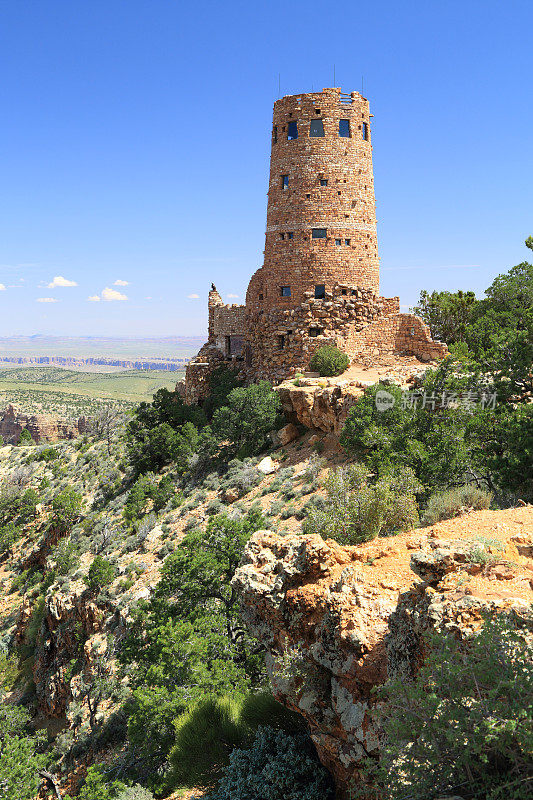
(463, 724)
(101, 573)
(357, 510)
(445, 505)
(9, 534)
(47, 454)
(65, 557)
(136, 792)
(208, 731)
(25, 437)
(278, 766)
(329, 361)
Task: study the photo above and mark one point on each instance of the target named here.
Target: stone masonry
(319, 283)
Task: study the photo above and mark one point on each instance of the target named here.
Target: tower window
(284, 181)
(319, 233)
(323, 182)
(344, 128)
(260, 297)
(365, 131)
(281, 341)
(292, 130)
(316, 128)
(338, 242)
(285, 291)
(290, 235)
(275, 134)
(320, 291)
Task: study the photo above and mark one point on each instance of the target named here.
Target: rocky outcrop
(321, 407)
(337, 621)
(70, 622)
(42, 428)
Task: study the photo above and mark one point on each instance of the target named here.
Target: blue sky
(135, 143)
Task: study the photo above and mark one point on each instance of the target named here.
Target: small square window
(323, 182)
(344, 291)
(308, 196)
(338, 242)
(292, 131)
(347, 241)
(275, 134)
(317, 111)
(365, 131)
(320, 291)
(354, 290)
(285, 291)
(260, 297)
(319, 233)
(284, 181)
(290, 235)
(344, 128)
(316, 128)
(282, 236)
(314, 332)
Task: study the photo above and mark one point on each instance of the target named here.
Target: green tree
(250, 415)
(187, 643)
(446, 313)
(66, 507)
(222, 381)
(20, 756)
(463, 723)
(101, 574)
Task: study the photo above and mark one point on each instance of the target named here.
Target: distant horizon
(137, 148)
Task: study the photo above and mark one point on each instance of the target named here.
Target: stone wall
(403, 334)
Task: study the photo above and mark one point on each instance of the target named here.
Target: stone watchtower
(319, 283)
(321, 217)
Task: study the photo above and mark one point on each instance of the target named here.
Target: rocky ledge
(41, 427)
(337, 621)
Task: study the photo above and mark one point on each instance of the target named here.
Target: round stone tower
(321, 219)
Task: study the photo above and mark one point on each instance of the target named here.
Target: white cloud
(59, 280)
(47, 300)
(94, 298)
(193, 296)
(232, 296)
(121, 283)
(2, 287)
(111, 294)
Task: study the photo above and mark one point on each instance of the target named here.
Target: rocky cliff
(337, 620)
(41, 427)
